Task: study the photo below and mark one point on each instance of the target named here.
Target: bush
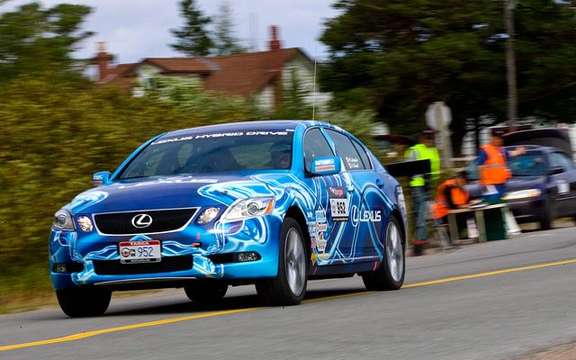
(56, 133)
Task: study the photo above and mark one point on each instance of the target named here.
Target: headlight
(249, 208)
(63, 220)
(522, 194)
(85, 224)
(208, 215)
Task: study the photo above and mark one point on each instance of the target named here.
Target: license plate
(140, 251)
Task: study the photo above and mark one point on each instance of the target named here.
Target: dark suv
(543, 185)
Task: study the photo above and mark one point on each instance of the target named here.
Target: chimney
(275, 43)
(102, 61)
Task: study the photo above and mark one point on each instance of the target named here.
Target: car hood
(515, 184)
(525, 182)
(168, 193)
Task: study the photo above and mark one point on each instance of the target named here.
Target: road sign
(438, 116)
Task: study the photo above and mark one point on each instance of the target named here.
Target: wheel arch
(297, 214)
(398, 215)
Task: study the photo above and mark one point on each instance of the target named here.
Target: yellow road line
(92, 333)
(489, 273)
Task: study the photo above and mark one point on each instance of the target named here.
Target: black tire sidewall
(277, 291)
(381, 278)
(83, 302)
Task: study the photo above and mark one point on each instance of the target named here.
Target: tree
(294, 104)
(193, 38)
(398, 56)
(225, 42)
(35, 40)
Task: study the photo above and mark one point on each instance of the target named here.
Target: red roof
(238, 74)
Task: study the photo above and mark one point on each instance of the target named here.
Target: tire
(83, 302)
(289, 287)
(206, 292)
(390, 272)
(547, 219)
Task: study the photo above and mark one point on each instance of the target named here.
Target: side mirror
(326, 165)
(556, 170)
(101, 178)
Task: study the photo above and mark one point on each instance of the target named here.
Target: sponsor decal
(321, 242)
(324, 165)
(352, 162)
(339, 204)
(320, 216)
(366, 215)
(337, 192)
(221, 135)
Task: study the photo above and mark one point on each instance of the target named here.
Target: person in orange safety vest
(451, 194)
(492, 158)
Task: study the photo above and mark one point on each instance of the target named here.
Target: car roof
(536, 148)
(272, 125)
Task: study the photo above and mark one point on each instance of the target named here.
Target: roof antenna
(314, 91)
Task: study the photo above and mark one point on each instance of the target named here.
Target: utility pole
(509, 6)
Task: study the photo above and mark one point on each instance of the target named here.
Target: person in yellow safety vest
(492, 166)
(419, 185)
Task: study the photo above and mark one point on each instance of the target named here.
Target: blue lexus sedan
(269, 203)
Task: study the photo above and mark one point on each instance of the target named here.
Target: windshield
(205, 153)
(529, 164)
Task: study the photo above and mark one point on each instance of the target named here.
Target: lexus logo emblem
(142, 221)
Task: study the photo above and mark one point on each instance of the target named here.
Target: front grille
(168, 264)
(123, 223)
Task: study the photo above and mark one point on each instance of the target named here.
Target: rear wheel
(206, 292)
(83, 302)
(390, 273)
(289, 287)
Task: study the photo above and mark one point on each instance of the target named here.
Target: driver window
(315, 145)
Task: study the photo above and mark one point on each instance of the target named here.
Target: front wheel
(83, 302)
(546, 220)
(390, 273)
(206, 292)
(289, 287)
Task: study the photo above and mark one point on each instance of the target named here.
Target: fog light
(247, 256)
(63, 268)
(208, 215)
(85, 224)
(60, 268)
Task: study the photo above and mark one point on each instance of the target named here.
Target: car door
(564, 183)
(367, 205)
(331, 204)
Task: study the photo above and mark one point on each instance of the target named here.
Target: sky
(134, 29)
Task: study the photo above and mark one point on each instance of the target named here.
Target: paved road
(489, 314)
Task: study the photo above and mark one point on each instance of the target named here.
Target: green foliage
(56, 133)
(401, 55)
(225, 42)
(359, 123)
(189, 97)
(192, 38)
(293, 104)
(37, 40)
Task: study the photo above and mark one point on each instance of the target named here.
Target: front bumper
(528, 210)
(196, 252)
